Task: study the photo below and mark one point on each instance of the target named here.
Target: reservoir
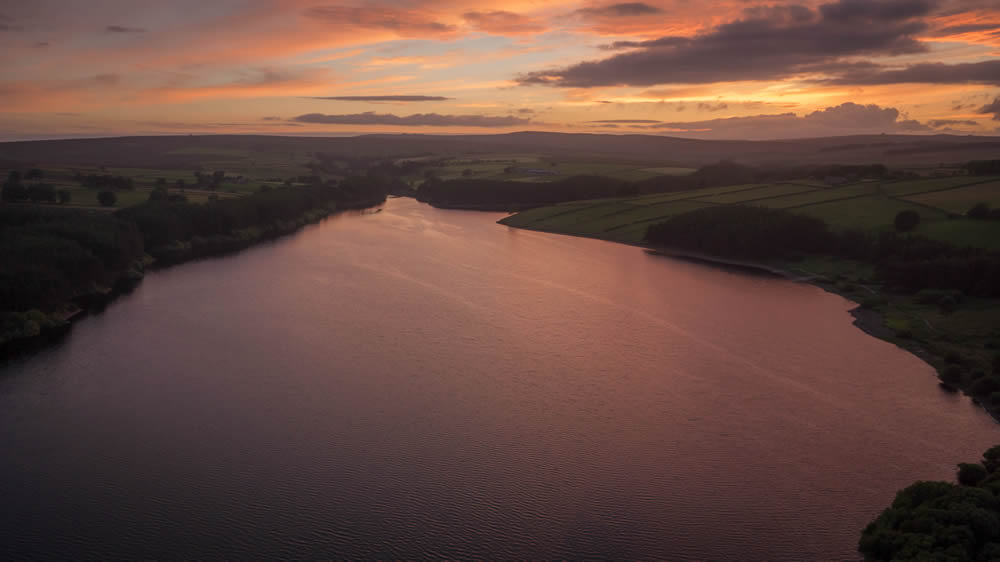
(419, 382)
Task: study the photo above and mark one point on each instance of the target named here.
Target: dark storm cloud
(767, 43)
(382, 98)
(993, 108)
(624, 9)
(123, 29)
(986, 72)
(938, 123)
(416, 120)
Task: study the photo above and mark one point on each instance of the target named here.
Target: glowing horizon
(724, 69)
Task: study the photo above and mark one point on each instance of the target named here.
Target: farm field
(869, 206)
(541, 168)
(960, 200)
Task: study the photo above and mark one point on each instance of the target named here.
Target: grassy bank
(958, 334)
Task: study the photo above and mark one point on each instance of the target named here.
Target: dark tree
(107, 198)
(979, 211)
(34, 174)
(42, 193)
(970, 474)
(159, 194)
(907, 220)
(65, 196)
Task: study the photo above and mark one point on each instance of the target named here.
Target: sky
(734, 69)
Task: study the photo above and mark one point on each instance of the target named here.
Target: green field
(868, 206)
(541, 168)
(961, 199)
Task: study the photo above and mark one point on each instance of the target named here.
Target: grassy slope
(972, 330)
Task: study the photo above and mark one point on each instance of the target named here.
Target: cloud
(993, 108)
(6, 24)
(845, 119)
(271, 118)
(123, 29)
(938, 123)
(403, 23)
(383, 98)
(415, 120)
(501, 22)
(625, 9)
(985, 72)
(705, 106)
(526, 111)
(625, 121)
(766, 43)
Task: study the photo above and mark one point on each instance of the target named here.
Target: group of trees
(941, 520)
(51, 255)
(14, 189)
(212, 181)
(905, 262)
(104, 181)
(983, 167)
(982, 211)
(742, 232)
(165, 218)
(48, 255)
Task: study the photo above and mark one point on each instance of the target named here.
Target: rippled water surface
(421, 382)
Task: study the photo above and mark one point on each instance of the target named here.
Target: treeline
(104, 181)
(503, 195)
(742, 232)
(51, 255)
(941, 520)
(906, 263)
(15, 190)
(165, 220)
(983, 167)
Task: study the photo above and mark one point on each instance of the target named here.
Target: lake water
(426, 383)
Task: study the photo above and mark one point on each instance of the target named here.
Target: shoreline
(85, 304)
(866, 319)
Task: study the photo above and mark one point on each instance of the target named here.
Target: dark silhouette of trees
(979, 211)
(13, 189)
(906, 263)
(906, 220)
(106, 181)
(64, 195)
(48, 255)
(107, 198)
(737, 231)
(34, 174)
(42, 193)
(970, 474)
(940, 520)
(983, 167)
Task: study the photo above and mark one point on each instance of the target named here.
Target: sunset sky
(704, 69)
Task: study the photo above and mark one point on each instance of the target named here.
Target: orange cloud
(499, 22)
